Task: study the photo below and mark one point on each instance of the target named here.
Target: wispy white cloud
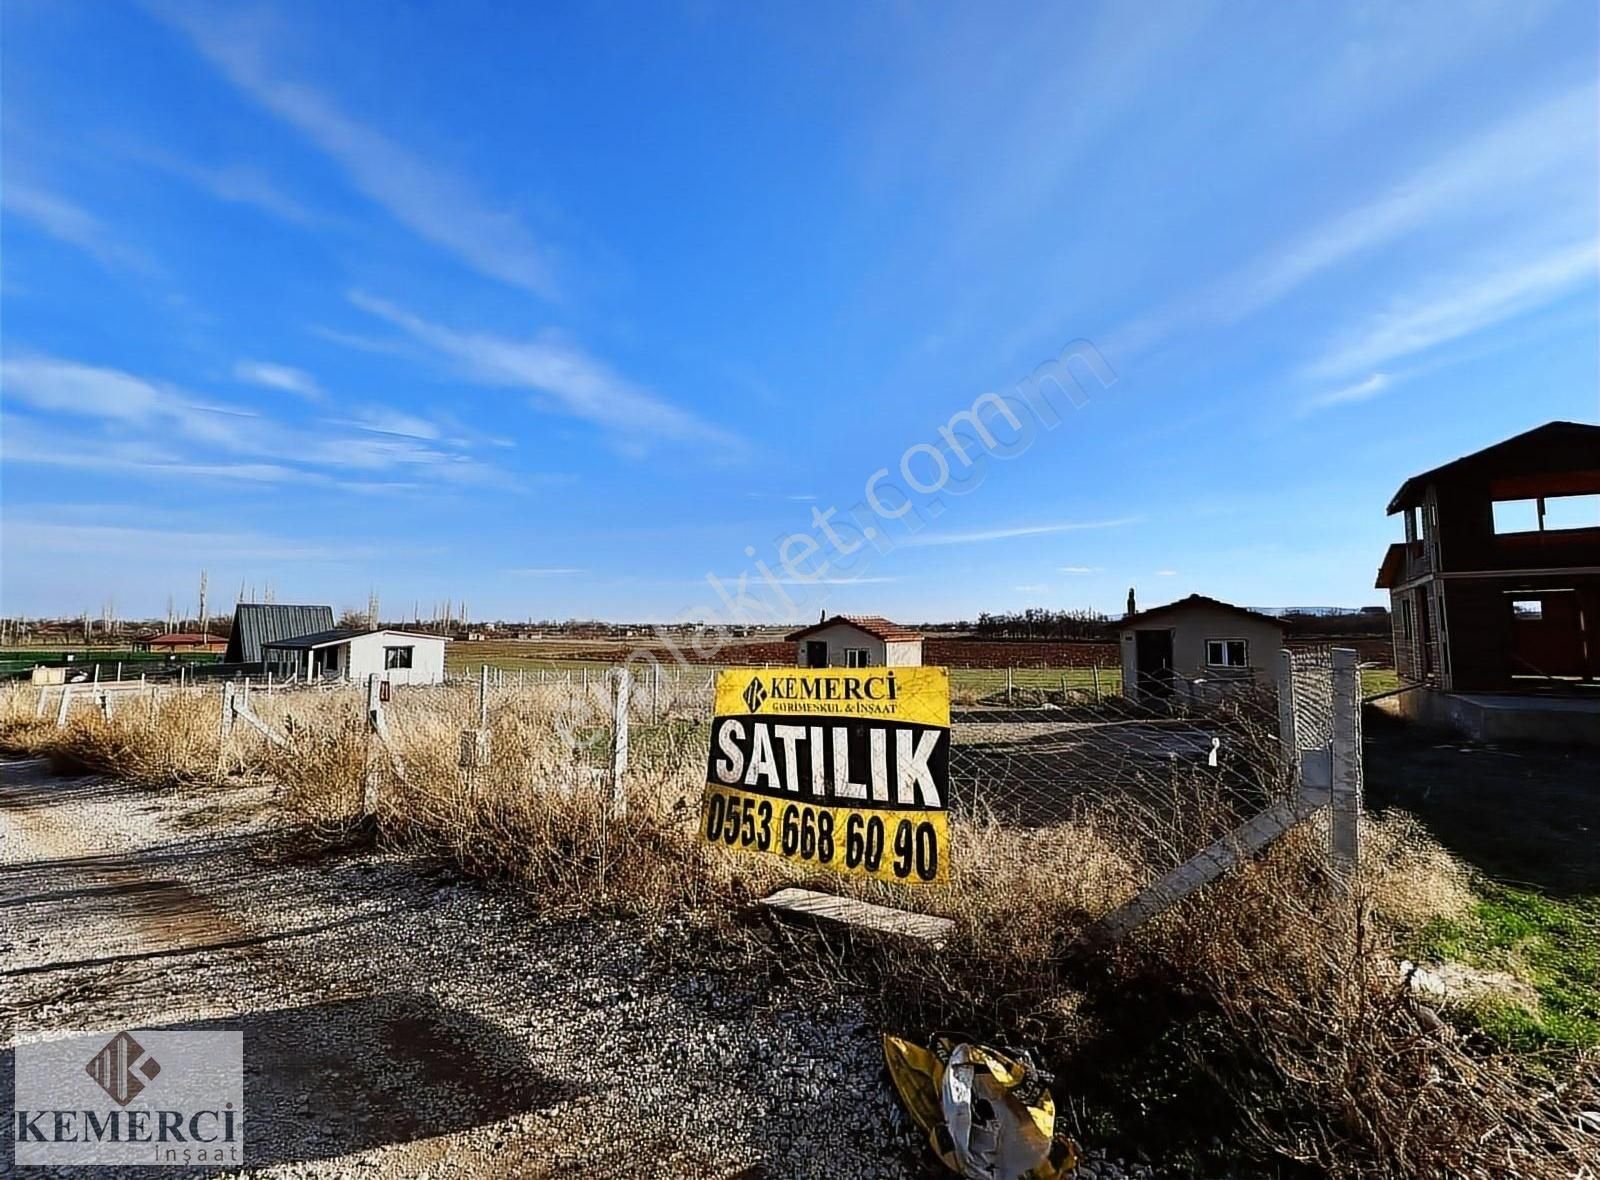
(551, 571)
(578, 384)
(419, 193)
(1466, 303)
(72, 224)
(1005, 534)
(237, 184)
(1515, 156)
(378, 420)
(280, 377)
(1082, 569)
(155, 427)
(26, 537)
(1359, 391)
(1166, 573)
(1524, 163)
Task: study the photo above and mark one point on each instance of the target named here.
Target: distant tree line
(1039, 623)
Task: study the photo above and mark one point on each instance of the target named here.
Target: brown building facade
(1496, 586)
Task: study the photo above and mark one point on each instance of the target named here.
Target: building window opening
(1227, 653)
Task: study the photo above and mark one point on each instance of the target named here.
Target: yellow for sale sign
(846, 769)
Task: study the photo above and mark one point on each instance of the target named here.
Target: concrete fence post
(38, 708)
(1008, 686)
(1287, 738)
(483, 697)
(619, 746)
(1345, 829)
(1095, 675)
(119, 671)
(66, 703)
(225, 723)
(375, 725)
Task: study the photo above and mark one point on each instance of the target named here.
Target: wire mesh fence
(1169, 772)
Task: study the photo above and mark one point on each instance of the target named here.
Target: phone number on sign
(891, 845)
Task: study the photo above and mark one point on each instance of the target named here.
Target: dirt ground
(404, 1023)
(1521, 814)
(401, 1021)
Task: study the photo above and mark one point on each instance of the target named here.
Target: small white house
(354, 653)
(856, 641)
(1197, 647)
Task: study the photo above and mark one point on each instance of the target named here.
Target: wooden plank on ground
(860, 915)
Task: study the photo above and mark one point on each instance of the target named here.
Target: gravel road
(398, 1023)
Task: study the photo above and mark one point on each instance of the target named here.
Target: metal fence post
(619, 749)
(1345, 829)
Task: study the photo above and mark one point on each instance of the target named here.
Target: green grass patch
(1551, 944)
(1376, 680)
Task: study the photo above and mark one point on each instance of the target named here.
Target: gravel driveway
(405, 1025)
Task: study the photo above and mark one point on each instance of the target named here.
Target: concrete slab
(1504, 717)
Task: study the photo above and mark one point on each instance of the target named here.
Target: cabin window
(397, 657)
(1227, 653)
(1527, 610)
(855, 657)
(1407, 624)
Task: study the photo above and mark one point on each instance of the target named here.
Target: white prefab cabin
(400, 657)
(1197, 647)
(856, 641)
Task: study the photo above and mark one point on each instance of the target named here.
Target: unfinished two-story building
(1495, 590)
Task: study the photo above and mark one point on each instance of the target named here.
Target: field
(979, 669)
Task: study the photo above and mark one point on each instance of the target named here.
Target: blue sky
(559, 309)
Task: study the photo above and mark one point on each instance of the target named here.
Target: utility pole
(372, 609)
(204, 624)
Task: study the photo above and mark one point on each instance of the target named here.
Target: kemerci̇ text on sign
(846, 769)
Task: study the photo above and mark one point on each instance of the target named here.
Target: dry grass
(1278, 990)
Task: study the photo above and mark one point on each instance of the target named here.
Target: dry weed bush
(1331, 1061)
(1326, 1059)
